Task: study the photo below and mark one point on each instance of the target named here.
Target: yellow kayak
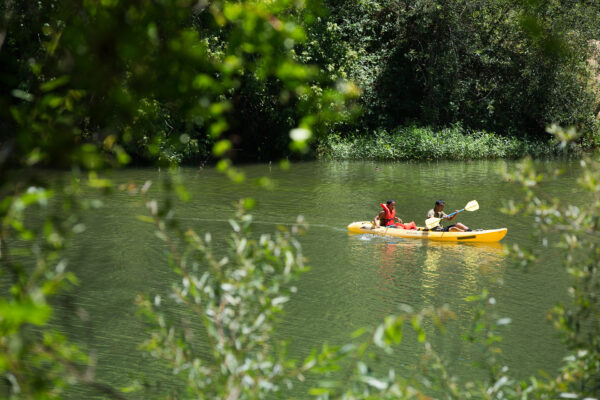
(488, 235)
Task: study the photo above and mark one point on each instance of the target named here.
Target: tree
(509, 67)
(86, 85)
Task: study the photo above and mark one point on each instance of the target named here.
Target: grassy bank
(423, 143)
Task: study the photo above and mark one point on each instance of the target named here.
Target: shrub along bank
(424, 143)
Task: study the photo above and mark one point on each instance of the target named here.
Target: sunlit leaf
(54, 83)
(221, 147)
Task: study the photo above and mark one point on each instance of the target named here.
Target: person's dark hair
(390, 202)
(439, 203)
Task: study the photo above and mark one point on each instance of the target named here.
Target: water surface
(355, 280)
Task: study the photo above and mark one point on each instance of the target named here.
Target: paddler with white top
(438, 212)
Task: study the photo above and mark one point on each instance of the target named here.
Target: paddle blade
(432, 222)
(473, 205)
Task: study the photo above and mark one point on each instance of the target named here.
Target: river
(354, 280)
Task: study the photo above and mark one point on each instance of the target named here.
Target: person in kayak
(387, 216)
(438, 212)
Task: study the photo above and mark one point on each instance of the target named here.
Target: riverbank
(424, 143)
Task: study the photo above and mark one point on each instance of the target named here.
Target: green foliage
(509, 67)
(165, 79)
(94, 85)
(455, 143)
(36, 361)
(231, 303)
(574, 230)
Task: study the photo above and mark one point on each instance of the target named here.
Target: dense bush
(416, 143)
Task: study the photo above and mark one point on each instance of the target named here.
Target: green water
(355, 280)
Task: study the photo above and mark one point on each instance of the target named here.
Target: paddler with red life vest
(387, 216)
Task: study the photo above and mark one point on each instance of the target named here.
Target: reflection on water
(423, 273)
(467, 265)
(472, 266)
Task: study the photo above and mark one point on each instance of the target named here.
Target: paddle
(433, 222)
(373, 226)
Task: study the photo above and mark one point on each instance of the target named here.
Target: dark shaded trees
(510, 67)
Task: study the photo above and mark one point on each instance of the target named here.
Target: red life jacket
(409, 226)
(389, 215)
